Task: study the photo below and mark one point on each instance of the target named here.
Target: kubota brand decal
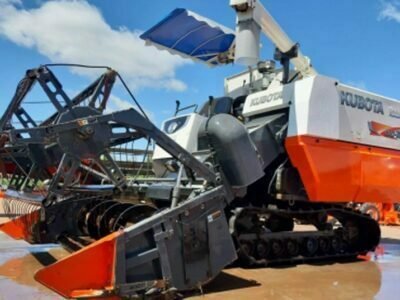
(360, 102)
(380, 129)
(266, 98)
(394, 112)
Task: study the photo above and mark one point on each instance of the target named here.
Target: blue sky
(354, 41)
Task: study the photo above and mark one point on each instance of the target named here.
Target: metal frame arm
(22, 90)
(132, 118)
(101, 86)
(129, 118)
(53, 89)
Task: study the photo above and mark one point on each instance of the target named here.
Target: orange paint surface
(21, 227)
(335, 171)
(88, 271)
(388, 214)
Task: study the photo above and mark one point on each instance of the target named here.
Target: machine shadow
(225, 282)
(44, 258)
(390, 241)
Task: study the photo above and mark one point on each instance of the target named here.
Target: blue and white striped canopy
(190, 35)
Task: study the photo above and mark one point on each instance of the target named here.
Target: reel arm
(91, 137)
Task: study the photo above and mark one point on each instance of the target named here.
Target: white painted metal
(247, 49)
(318, 107)
(239, 84)
(314, 108)
(186, 136)
(354, 119)
(257, 13)
(244, 84)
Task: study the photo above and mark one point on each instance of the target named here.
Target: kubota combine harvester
(230, 179)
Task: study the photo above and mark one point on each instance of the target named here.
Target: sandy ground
(378, 278)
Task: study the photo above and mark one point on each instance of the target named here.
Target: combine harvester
(282, 145)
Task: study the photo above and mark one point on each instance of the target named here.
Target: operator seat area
(223, 105)
(215, 106)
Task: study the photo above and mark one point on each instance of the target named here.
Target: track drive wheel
(371, 210)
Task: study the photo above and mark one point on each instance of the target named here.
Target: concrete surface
(378, 278)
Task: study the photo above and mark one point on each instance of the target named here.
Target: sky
(354, 41)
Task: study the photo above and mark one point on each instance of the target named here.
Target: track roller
(277, 243)
(292, 247)
(263, 249)
(277, 248)
(310, 246)
(323, 245)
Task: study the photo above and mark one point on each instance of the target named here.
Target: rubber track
(340, 245)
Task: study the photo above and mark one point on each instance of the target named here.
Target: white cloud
(390, 11)
(76, 32)
(4, 2)
(116, 104)
(173, 84)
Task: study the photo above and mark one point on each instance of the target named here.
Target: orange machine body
(88, 273)
(336, 171)
(388, 214)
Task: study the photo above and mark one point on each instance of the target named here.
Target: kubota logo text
(266, 99)
(360, 102)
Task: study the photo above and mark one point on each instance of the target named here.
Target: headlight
(174, 125)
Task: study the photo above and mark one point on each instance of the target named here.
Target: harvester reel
(89, 141)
